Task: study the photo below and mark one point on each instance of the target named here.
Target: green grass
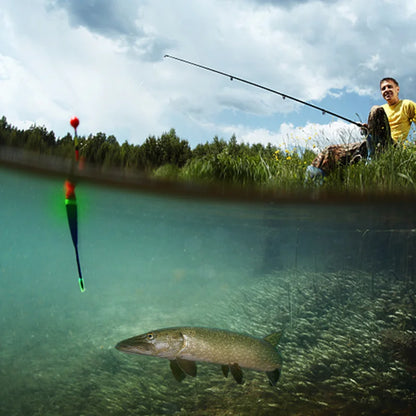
(284, 170)
(393, 171)
(227, 163)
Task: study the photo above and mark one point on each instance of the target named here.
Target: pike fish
(183, 346)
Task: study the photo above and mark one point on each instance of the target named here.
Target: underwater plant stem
(289, 296)
(296, 249)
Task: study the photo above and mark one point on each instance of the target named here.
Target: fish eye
(150, 336)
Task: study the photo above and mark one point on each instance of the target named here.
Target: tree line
(219, 160)
(167, 155)
(99, 148)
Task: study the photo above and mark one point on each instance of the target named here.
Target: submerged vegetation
(349, 348)
(169, 157)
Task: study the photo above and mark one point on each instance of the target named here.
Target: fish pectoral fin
(225, 369)
(273, 376)
(237, 373)
(188, 367)
(177, 371)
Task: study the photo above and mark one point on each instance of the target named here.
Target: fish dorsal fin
(274, 338)
(188, 367)
(225, 369)
(237, 373)
(177, 371)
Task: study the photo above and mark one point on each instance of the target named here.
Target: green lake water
(339, 278)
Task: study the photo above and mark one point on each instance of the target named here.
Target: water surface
(339, 278)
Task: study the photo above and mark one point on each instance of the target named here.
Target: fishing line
(284, 96)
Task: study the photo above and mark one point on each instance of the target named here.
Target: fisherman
(387, 124)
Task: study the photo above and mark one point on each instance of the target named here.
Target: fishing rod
(284, 96)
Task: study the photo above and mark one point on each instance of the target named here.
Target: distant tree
(39, 139)
(94, 148)
(233, 147)
(167, 149)
(209, 149)
(149, 154)
(4, 125)
(173, 150)
(111, 152)
(127, 154)
(4, 131)
(65, 146)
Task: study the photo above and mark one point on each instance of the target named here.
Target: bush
(168, 171)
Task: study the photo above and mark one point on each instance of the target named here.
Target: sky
(103, 61)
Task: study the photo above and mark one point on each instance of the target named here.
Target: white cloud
(311, 136)
(103, 60)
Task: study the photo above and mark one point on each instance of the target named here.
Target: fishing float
(71, 205)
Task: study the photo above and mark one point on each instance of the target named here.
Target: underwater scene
(336, 279)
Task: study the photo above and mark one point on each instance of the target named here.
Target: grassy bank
(394, 171)
(269, 167)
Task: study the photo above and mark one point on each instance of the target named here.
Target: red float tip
(74, 122)
(69, 190)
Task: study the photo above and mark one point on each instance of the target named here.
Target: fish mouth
(134, 345)
(125, 346)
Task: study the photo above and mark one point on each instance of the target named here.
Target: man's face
(390, 92)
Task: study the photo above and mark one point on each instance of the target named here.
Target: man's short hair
(390, 79)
